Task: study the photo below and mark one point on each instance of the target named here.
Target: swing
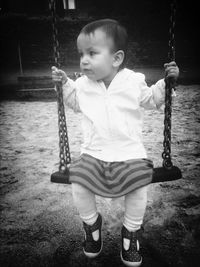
(167, 172)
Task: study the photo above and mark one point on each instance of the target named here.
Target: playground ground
(39, 225)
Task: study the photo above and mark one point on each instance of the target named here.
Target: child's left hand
(171, 70)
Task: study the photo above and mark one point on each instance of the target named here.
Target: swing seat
(60, 177)
(162, 174)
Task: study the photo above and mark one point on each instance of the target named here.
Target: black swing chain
(64, 155)
(166, 155)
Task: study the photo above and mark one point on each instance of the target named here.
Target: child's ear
(118, 58)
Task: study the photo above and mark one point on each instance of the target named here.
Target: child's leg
(135, 206)
(85, 203)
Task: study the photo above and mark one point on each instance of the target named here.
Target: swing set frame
(168, 172)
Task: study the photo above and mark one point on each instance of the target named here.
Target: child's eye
(92, 53)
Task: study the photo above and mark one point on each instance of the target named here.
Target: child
(113, 161)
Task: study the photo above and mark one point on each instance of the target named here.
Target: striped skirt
(111, 179)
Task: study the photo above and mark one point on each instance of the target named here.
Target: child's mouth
(88, 71)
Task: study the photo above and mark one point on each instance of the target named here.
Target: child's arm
(69, 88)
(154, 96)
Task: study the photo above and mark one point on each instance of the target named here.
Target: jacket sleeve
(70, 95)
(153, 97)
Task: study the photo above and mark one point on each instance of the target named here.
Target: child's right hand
(58, 75)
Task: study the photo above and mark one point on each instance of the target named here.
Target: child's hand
(58, 75)
(171, 70)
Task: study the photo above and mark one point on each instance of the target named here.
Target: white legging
(135, 205)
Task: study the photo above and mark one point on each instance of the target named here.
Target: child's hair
(112, 29)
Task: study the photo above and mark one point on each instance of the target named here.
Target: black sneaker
(91, 247)
(130, 257)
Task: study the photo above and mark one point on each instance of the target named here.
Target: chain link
(171, 44)
(64, 155)
(166, 155)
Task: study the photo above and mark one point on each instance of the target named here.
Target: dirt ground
(40, 226)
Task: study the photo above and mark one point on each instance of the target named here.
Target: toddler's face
(96, 55)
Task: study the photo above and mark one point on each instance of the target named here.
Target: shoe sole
(93, 255)
(129, 263)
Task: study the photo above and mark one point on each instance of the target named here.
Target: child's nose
(84, 60)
